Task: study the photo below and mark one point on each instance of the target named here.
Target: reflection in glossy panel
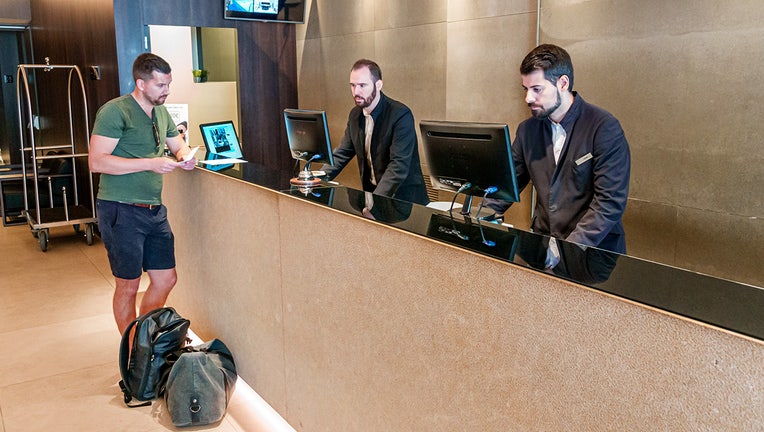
(668, 288)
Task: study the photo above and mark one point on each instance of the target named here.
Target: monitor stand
(466, 206)
(305, 177)
(467, 210)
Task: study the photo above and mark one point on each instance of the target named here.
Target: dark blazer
(581, 199)
(394, 150)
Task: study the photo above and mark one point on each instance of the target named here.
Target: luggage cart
(41, 218)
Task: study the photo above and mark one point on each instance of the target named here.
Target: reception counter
(406, 319)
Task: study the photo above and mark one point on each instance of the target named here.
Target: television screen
(459, 153)
(287, 11)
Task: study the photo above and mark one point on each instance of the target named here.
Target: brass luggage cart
(55, 165)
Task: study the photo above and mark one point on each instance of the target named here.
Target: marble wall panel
(651, 231)
(723, 184)
(326, 18)
(484, 59)
(604, 19)
(655, 174)
(310, 74)
(724, 245)
(459, 10)
(405, 13)
(413, 62)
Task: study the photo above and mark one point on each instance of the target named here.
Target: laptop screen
(221, 140)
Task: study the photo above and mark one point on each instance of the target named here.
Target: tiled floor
(59, 344)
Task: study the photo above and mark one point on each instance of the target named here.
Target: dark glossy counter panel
(725, 304)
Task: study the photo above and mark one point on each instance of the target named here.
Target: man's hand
(188, 161)
(164, 165)
(188, 165)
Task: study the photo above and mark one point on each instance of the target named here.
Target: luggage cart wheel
(89, 233)
(76, 228)
(42, 235)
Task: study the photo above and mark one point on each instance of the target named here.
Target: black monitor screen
(477, 153)
(287, 11)
(308, 135)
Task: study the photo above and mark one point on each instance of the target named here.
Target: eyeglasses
(156, 133)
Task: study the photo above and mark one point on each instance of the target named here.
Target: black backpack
(159, 335)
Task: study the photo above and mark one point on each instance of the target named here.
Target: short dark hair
(553, 60)
(376, 72)
(145, 65)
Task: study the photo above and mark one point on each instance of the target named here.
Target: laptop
(221, 142)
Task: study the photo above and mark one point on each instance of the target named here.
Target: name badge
(584, 158)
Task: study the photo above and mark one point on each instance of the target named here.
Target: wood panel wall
(73, 33)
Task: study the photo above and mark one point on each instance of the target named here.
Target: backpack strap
(128, 397)
(124, 359)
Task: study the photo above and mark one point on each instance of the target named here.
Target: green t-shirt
(122, 118)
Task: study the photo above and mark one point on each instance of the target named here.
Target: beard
(544, 113)
(367, 101)
(159, 100)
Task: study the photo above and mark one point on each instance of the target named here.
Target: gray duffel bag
(200, 384)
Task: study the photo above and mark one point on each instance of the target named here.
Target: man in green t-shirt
(127, 147)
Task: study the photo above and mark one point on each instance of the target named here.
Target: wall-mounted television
(285, 11)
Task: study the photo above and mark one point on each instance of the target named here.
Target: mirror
(192, 48)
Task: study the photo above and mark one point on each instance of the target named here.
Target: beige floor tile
(26, 249)
(84, 400)
(38, 352)
(54, 303)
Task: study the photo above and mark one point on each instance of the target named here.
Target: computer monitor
(220, 140)
(308, 137)
(471, 158)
